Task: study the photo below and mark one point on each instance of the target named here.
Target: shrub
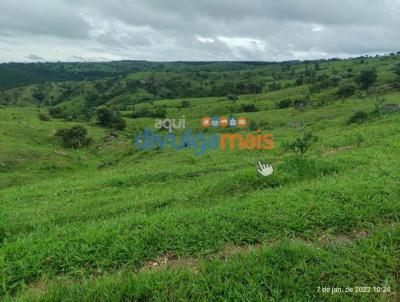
(43, 117)
(232, 97)
(146, 112)
(159, 113)
(300, 104)
(301, 144)
(141, 112)
(366, 78)
(358, 117)
(346, 90)
(253, 126)
(75, 137)
(56, 112)
(299, 81)
(286, 103)
(185, 104)
(248, 108)
(39, 96)
(335, 79)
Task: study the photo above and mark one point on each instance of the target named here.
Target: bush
(358, 117)
(346, 90)
(158, 113)
(141, 112)
(248, 108)
(56, 112)
(300, 104)
(286, 103)
(145, 112)
(39, 96)
(43, 117)
(110, 119)
(335, 79)
(75, 137)
(366, 78)
(232, 97)
(185, 104)
(253, 126)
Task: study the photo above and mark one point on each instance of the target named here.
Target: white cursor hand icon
(265, 170)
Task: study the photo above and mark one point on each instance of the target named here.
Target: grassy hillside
(108, 222)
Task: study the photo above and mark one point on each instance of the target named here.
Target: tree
(301, 144)
(366, 78)
(75, 137)
(109, 118)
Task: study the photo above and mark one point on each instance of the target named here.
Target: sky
(196, 30)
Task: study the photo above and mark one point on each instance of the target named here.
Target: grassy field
(111, 223)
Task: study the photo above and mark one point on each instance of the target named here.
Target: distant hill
(13, 75)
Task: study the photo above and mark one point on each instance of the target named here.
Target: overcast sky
(169, 30)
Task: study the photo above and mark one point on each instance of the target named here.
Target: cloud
(33, 57)
(198, 29)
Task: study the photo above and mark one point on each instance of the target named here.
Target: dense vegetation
(86, 217)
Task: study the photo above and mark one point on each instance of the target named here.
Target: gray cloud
(33, 57)
(198, 29)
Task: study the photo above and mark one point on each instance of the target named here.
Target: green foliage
(366, 78)
(358, 117)
(335, 79)
(43, 117)
(75, 137)
(108, 118)
(253, 126)
(377, 104)
(185, 104)
(248, 108)
(57, 112)
(232, 97)
(301, 144)
(285, 103)
(146, 112)
(346, 90)
(396, 82)
(39, 95)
